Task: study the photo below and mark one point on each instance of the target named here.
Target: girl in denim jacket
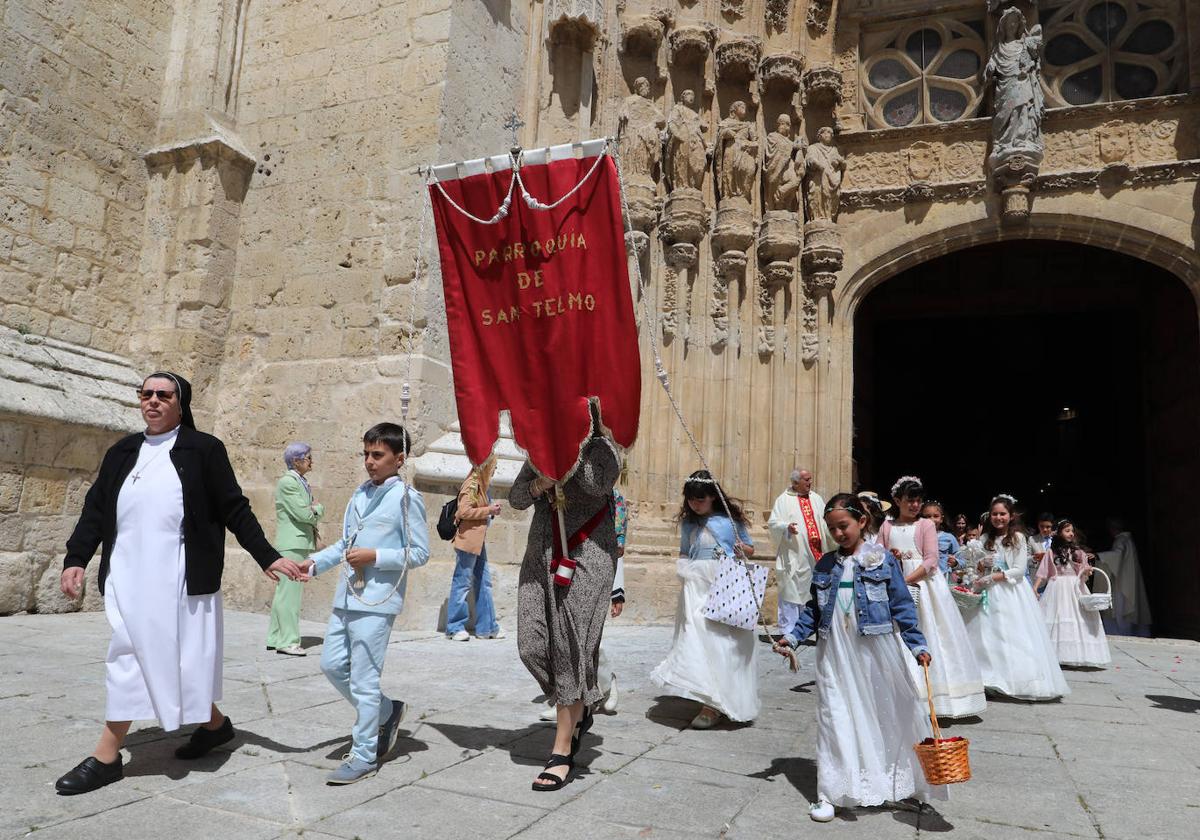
(869, 708)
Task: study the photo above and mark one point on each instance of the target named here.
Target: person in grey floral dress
(561, 610)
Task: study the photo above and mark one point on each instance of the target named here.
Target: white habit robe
(164, 660)
(794, 553)
(1130, 615)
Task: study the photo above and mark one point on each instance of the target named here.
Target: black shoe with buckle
(203, 740)
(89, 775)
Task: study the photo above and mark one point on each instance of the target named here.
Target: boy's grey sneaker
(389, 733)
(351, 771)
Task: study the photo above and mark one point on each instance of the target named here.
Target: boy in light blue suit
(383, 535)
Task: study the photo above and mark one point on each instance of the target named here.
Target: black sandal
(581, 729)
(556, 783)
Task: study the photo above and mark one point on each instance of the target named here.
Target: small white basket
(1098, 601)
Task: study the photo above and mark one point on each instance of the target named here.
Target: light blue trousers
(352, 658)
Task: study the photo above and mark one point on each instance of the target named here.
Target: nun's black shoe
(203, 740)
(89, 775)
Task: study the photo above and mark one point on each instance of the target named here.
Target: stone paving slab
(1119, 759)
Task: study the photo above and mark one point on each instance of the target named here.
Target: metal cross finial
(514, 124)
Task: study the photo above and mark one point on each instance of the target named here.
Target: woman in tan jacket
(475, 510)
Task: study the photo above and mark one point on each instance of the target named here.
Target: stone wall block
(48, 596)
(43, 493)
(17, 578)
(11, 480)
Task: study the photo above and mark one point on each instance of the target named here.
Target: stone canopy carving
(691, 44)
(737, 58)
(584, 18)
(643, 35)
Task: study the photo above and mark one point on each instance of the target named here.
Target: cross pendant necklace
(138, 473)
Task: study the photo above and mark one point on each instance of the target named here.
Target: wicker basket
(943, 760)
(967, 601)
(1097, 601)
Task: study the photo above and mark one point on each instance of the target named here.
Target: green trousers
(284, 630)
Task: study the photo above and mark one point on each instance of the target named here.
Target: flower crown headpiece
(905, 479)
(1005, 497)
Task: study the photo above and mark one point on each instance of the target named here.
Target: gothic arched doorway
(1066, 375)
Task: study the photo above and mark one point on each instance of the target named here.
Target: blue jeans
(352, 658)
(471, 574)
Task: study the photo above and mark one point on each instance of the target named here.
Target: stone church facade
(234, 190)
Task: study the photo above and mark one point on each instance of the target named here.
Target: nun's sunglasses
(144, 394)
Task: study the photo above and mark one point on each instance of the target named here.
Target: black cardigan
(212, 502)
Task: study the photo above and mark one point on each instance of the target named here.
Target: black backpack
(446, 526)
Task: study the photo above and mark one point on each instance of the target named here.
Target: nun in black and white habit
(159, 508)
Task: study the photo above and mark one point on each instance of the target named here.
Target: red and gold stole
(810, 526)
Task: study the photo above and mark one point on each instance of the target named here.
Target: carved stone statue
(686, 150)
(782, 181)
(736, 155)
(639, 132)
(1015, 70)
(825, 168)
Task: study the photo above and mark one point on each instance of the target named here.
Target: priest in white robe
(1130, 613)
(798, 531)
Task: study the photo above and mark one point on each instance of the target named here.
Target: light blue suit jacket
(375, 519)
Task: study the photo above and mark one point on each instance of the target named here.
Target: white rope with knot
(405, 399)
(517, 183)
(660, 372)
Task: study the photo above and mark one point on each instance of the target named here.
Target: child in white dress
(870, 712)
(955, 676)
(709, 662)
(1008, 633)
(1077, 634)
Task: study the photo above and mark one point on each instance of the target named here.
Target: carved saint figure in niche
(639, 132)
(825, 168)
(686, 150)
(782, 181)
(736, 154)
(1015, 70)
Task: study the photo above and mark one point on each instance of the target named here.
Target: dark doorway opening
(1064, 375)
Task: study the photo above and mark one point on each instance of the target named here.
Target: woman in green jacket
(296, 518)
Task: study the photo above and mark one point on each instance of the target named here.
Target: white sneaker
(549, 714)
(294, 650)
(821, 811)
(461, 636)
(499, 634)
(610, 702)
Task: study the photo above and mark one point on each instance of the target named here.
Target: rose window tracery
(1109, 50)
(922, 71)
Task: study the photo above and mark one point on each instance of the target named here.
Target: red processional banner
(539, 310)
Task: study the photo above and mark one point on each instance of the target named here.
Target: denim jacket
(880, 598)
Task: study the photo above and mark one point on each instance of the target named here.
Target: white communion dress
(1008, 634)
(1077, 634)
(870, 713)
(164, 660)
(954, 672)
